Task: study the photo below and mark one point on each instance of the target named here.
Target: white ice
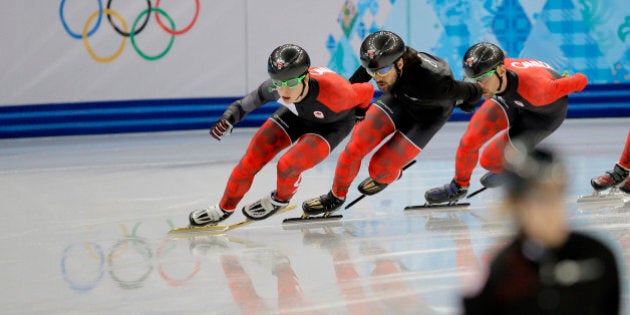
(85, 222)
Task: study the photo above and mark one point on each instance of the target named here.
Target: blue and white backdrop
(152, 56)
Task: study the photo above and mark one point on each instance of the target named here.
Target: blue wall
(199, 113)
(52, 86)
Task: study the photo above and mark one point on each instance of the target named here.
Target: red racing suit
(533, 105)
(624, 160)
(315, 126)
(420, 103)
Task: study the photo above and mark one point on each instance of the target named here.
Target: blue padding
(199, 113)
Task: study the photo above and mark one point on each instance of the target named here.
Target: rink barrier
(42, 120)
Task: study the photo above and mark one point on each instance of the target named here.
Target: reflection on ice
(107, 203)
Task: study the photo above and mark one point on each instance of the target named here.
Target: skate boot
(450, 193)
(324, 204)
(492, 180)
(209, 216)
(610, 178)
(264, 207)
(370, 187)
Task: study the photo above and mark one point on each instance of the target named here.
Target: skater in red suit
(618, 174)
(420, 94)
(523, 98)
(317, 113)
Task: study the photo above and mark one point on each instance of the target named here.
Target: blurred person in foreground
(546, 268)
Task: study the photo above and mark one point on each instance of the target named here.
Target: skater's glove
(220, 128)
(580, 81)
(467, 107)
(359, 113)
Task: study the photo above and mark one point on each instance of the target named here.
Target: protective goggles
(380, 71)
(482, 77)
(291, 83)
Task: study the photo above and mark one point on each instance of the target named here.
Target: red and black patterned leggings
(308, 151)
(488, 121)
(386, 164)
(624, 160)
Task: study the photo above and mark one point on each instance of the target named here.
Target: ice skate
(264, 208)
(491, 180)
(449, 194)
(209, 216)
(488, 180)
(613, 195)
(613, 181)
(319, 208)
(610, 179)
(370, 187)
(203, 221)
(324, 204)
(195, 231)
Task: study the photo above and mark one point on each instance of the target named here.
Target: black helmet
(481, 58)
(287, 62)
(381, 49)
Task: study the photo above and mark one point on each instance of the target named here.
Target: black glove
(475, 93)
(359, 113)
(221, 127)
(468, 107)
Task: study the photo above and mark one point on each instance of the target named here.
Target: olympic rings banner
(95, 51)
(127, 32)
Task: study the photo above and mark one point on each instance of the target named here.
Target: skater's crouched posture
(420, 94)
(524, 98)
(317, 112)
(617, 175)
(546, 268)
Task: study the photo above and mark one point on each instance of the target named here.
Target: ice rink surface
(85, 222)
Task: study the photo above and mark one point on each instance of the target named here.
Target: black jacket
(427, 86)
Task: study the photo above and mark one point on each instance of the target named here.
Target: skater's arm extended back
(257, 98)
(541, 90)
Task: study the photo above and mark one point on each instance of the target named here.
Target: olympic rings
(172, 281)
(75, 35)
(124, 33)
(172, 30)
(132, 34)
(95, 251)
(87, 44)
(147, 254)
(124, 250)
(133, 38)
